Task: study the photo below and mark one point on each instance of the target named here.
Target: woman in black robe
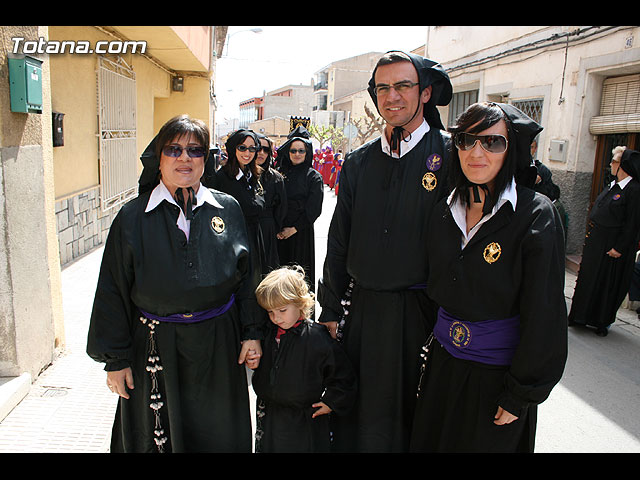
(496, 273)
(175, 314)
(610, 247)
(240, 178)
(275, 203)
(304, 190)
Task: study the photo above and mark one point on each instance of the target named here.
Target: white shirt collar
(407, 144)
(241, 174)
(621, 183)
(459, 211)
(161, 192)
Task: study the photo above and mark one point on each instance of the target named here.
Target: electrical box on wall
(57, 129)
(558, 150)
(25, 84)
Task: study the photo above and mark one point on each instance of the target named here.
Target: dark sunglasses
(265, 149)
(176, 150)
(490, 143)
(293, 151)
(244, 148)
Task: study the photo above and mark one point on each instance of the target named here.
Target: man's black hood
(429, 73)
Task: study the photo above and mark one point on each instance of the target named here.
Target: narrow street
(69, 408)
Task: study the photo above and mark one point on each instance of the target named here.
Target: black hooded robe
(614, 222)
(148, 264)
(524, 282)
(306, 367)
(272, 216)
(460, 397)
(377, 238)
(304, 193)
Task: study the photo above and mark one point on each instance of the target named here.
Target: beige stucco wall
(31, 318)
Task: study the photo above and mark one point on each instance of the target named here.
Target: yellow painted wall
(74, 93)
(194, 101)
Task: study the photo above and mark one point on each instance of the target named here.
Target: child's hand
(322, 410)
(250, 353)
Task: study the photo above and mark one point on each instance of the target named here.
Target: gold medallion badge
(217, 224)
(492, 252)
(429, 181)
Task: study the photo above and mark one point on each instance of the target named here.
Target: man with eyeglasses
(372, 293)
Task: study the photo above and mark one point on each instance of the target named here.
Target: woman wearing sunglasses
(174, 314)
(303, 184)
(241, 178)
(496, 273)
(275, 203)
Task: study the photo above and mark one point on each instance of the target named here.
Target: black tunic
(459, 397)
(272, 216)
(252, 201)
(377, 237)
(304, 194)
(307, 367)
(149, 265)
(603, 281)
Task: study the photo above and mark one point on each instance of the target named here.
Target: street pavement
(68, 407)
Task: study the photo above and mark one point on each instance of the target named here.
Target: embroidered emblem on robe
(460, 334)
(492, 252)
(217, 224)
(434, 162)
(429, 181)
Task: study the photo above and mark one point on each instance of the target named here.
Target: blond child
(303, 374)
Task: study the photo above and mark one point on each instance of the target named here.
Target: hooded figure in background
(610, 246)
(372, 290)
(304, 194)
(496, 275)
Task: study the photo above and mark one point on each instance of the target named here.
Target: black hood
(429, 73)
(523, 131)
(302, 134)
(630, 163)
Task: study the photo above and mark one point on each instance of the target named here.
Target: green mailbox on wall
(25, 82)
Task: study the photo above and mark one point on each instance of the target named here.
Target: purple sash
(491, 341)
(192, 317)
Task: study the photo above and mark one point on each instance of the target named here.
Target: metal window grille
(459, 103)
(117, 133)
(532, 108)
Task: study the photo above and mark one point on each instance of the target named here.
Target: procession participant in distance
(303, 184)
(376, 258)
(610, 246)
(275, 203)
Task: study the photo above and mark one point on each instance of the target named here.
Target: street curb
(12, 391)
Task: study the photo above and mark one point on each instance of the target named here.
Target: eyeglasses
(244, 148)
(293, 151)
(265, 149)
(400, 87)
(176, 150)
(490, 143)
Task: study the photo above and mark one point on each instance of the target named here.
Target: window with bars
(459, 103)
(117, 124)
(532, 108)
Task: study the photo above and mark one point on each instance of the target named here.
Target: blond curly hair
(284, 286)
